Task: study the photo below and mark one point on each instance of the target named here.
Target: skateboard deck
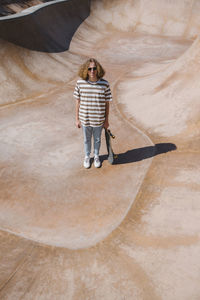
(111, 155)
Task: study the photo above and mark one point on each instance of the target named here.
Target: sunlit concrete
(128, 231)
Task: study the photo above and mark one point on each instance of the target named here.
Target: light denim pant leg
(88, 131)
(97, 139)
(87, 135)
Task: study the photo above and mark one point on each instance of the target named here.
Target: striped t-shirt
(93, 97)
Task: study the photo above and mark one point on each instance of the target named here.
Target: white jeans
(88, 132)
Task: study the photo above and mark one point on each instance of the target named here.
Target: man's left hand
(106, 124)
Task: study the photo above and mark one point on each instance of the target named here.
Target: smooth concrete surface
(127, 231)
(46, 27)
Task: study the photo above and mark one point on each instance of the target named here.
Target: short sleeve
(108, 95)
(77, 92)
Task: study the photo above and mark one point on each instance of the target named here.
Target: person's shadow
(138, 154)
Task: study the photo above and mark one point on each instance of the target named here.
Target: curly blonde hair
(83, 71)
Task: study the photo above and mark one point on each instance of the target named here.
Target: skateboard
(111, 155)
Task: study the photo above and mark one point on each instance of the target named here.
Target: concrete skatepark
(124, 231)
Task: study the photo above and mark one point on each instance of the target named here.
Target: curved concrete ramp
(62, 204)
(127, 231)
(47, 27)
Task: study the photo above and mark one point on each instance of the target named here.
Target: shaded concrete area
(133, 232)
(47, 27)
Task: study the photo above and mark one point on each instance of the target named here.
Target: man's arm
(106, 123)
(78, 123)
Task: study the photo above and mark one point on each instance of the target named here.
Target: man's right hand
(78, 124)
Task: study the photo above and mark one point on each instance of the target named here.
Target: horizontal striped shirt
(93, 97)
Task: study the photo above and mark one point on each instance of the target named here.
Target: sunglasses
(94, 69)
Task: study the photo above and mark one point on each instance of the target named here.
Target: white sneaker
(86, 162)
(97, 162)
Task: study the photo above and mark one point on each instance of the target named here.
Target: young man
(93, 96)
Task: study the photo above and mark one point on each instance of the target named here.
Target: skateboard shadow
(139, 154)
